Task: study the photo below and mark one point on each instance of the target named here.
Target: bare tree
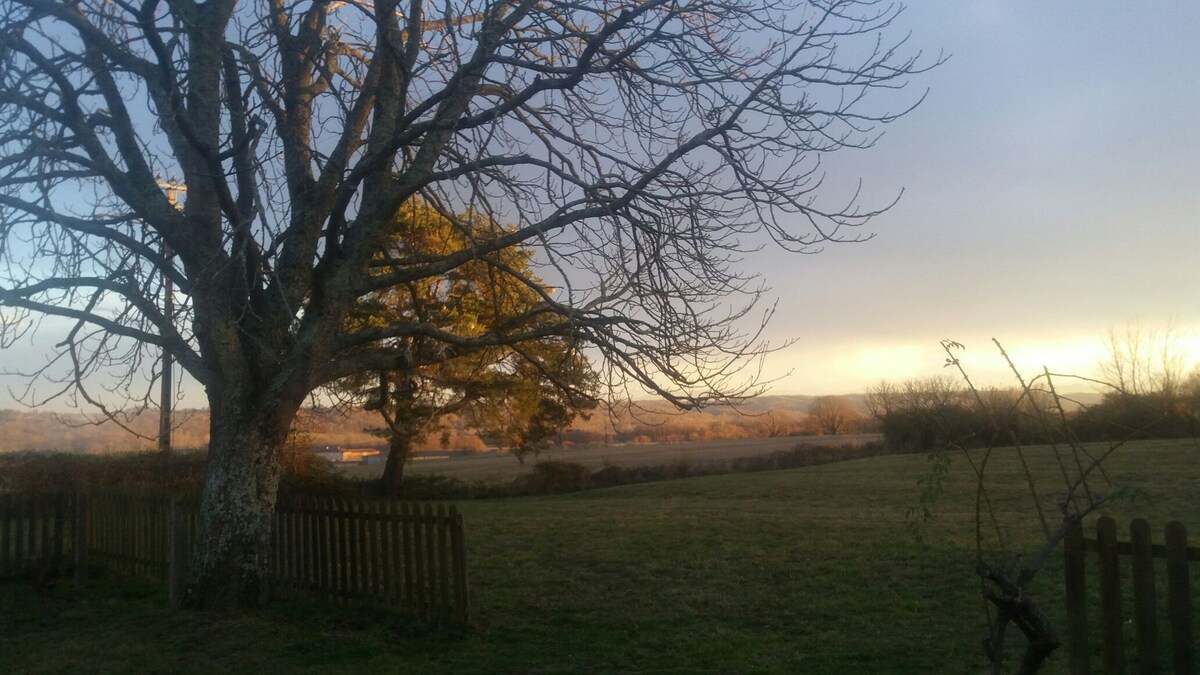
(1145, 362)
(644, 147)
(1077, 480)
(1150, 394)
(833, 414)
(777, 423)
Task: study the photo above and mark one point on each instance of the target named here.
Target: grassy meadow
(810, 570)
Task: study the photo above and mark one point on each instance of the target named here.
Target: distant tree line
(1156, 414)
(1153, 394)
(927, 413)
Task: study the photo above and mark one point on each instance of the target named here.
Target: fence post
(177, 560)
(1076, 601)
(1143, 596)
(1179, 597)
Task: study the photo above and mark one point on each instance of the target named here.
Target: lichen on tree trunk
(231, 558)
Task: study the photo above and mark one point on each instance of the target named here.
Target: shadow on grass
(124, 626)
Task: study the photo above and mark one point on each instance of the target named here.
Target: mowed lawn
(804, 571)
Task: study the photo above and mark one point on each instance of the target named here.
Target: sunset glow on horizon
(854, 368)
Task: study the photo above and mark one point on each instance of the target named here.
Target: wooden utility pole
(168, 377)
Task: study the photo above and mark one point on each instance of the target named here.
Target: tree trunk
(399, 449)
(231, 558)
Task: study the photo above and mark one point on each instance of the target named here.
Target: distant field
(803, 571)
(497, 465)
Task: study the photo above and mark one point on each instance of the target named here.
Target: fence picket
(390, 569)
(445, 601)
(8, 522)
(19, 538)
(340, 546)
(301, 551)
(158, 521)
(78, 538)
(377, 551)
(120, 538)
(333, 546)
(1142, 551)
(285, 533)
(407, 528)
(297, 545)
(354, 556)
(45, 531)
(346, 560)
(418, 522)
(1110, 597)
(26, 550)
(177, 567)
(5, 534)
(431, 562)
(323, 547)
(457, 541)
(358, 568)
(371, 545)
(1077, 649)
(286, 511)
(145, 533)
(374, 546)
(1180, 599)
(357, 517)
(278, 570)
(137, 537)
(313, 564)
(128, 532)
(114, 526)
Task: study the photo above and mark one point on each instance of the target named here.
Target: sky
(1051, 192)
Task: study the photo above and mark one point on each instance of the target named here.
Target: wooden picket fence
(129, 533)
(393, 553)
(1143, 552)
(36, 534)
(398, 554)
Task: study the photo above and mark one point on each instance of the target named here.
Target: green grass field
(803, 571)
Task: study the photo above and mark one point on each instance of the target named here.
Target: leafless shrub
(1080, 484)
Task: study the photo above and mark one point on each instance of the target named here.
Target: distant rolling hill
(640, 421)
